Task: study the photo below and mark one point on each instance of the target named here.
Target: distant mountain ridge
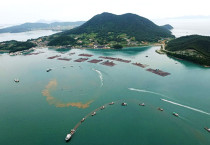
(131, 24)
(41, 26)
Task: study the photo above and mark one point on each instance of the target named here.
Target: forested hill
(195, 48)
(130, 24)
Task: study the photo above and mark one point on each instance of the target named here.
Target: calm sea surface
(44, 106)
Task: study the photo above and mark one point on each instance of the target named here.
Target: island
(194, 48)
(106, 31)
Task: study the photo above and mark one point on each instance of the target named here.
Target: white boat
(175, 114)
(124, 104)
(112, 103)
(17, 80)
(161, 109)
(48, 70)
(68, 137)
(94, 113)
(207, 129)
(103, 107)
(142, 104)
(83, 119)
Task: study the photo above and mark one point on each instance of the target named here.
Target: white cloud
(19, 11)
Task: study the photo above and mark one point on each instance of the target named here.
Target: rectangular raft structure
(71, 53)
(52, 57)
(158, 72)
(116, 59)
(108, 63)
(35, 53)
(65, 59)
(95, 60)
(140, 65)
(81, 59)
(86, 55)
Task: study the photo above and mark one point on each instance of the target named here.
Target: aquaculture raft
(95, 61)
(66, 59)
(116, 59)
(52, 57)
(108, 63)
(81, 59)
(87, 55)
(140, 65)
(158, 72)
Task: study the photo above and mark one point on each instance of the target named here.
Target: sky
(21, 11)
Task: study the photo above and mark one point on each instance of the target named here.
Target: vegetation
(62, 40)
(13, 46)
(168, 27)
(117, 46)
(194, 48)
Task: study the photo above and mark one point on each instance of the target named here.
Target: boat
(161, 109)
(83, 119)
(207, 129)
(175, 114)
(17, 80)
(48, 70)
(112, 103)
(94, 113)
(69, 136)
(102, 107)
(124, 104)
(142, 104)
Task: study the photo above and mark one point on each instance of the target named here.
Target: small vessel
(175, 114)
(83, 119)
(161, 109)
(94, 113)
(207, 129)
(68, 136)
(48, 70)
(17, 80)
(112, 103)
(102, 107)
(142, 104)
(124, 104)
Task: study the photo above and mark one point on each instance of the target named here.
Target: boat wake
(145, 91)
(188, 107)
(100, 76)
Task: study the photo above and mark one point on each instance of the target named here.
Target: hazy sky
(20, 11)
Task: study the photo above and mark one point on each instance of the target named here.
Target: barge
(158, 72)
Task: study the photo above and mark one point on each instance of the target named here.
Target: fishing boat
(102, 107)
(175, 114)
(112, 103)
(94, 113)
(83, 119)
(69, 136)
(124, 104)
(17, 80)
(142, 104)
(161, 109)
(48, 70)
(207, 129)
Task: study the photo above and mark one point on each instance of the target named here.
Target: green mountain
(41, 26)
(195, 48)
(132, 25)
(106, 28)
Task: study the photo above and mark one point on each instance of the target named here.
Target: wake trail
(146, 91)
(185, 106)
(100, 76)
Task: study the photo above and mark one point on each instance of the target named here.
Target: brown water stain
(54, 101)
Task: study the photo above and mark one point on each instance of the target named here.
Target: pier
(158, 72)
